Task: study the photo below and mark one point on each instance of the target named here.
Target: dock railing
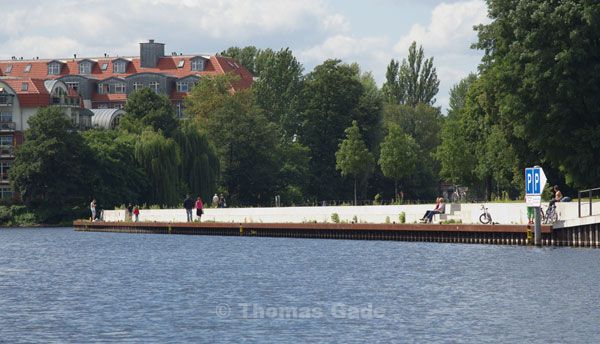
(589, 197)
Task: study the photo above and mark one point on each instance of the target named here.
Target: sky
(369, 33)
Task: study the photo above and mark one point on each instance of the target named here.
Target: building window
(197, 64)
(54, 69)
(102, 106)
(6, 192)
(85, 68)
(154, 86)
(119, 88)
(6, 140)
(5, 166)
(180, 64)
(104, 66)
(183, 87)
(6, 117)
(27, 68)
(8, 69)
(24, 86)
(137, 86)
(103, 88)
(179, 110)
(72, 85)
(119, 67)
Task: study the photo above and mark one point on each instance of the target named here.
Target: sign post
(535, 180)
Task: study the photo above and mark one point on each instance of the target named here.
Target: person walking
(93, 209)
(136, 213)
(199, 208)
(188, 204)
(129, 212)
(222, 203)
(215, 201)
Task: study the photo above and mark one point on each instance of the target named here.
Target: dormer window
(8, 69)
(104, 66)
(24, 86)
(54, 68)
(119, 67)
(85, 67)
(27, 68)
(197, 64)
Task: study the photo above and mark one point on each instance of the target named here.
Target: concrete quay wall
(502, 213)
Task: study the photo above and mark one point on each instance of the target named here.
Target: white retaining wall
(502, 213)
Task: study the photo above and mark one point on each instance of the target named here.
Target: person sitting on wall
(558, 197)
(440, 208)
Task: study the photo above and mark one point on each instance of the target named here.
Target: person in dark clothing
(189, 204)
(129, 212)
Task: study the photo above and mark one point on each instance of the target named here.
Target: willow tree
(199, 168)
(159, 157)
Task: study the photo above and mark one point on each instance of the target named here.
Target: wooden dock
(443, 233)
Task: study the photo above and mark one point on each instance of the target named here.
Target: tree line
(333, 134)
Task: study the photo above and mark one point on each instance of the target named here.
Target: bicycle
(459, 194)
(550, 216)
(486, 217)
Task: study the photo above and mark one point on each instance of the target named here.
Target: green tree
(542, 59)
(353, 157)
(278, 88)
(330, 95)
(246, 56)
(414, 81)
(199, 168)
(117, 177)
(398, 155)
(160, 159)
(50, 170)
(456, 152)
(147, 108)
(423, 123)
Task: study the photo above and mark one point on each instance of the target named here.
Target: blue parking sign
(535, 180)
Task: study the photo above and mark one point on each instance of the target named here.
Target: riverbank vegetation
(334, 134)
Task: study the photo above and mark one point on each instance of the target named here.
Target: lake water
(61, 286)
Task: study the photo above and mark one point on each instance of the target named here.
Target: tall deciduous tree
(147, 108)
(199, 168)
(331, 94)
(398, 155)
(159, 157)
(116, 175)
(542, 56)
(51, 167)
(414, 81)
(278, 89)
(353, 157)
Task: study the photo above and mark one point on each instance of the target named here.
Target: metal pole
(538, 227)
(590, 202)
(579, 203)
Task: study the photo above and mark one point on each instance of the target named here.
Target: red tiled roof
(36, 94)
(109, 97)
(166, 65)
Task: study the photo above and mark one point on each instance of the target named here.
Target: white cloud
(450, 28)
(336, 23)
(345, 47)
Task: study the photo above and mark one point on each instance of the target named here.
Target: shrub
(402, 217)
(335, 218)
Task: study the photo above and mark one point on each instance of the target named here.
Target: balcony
(7, 126)
(66, 101)
(6, 100)
(6, 151)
